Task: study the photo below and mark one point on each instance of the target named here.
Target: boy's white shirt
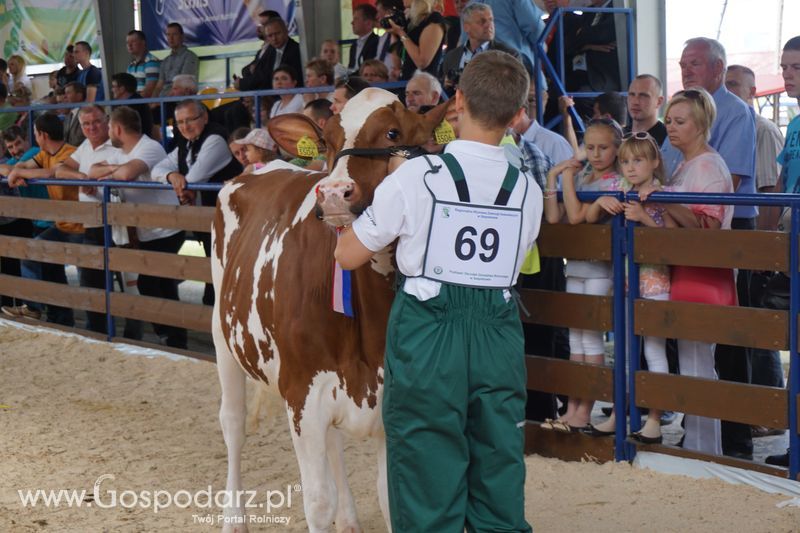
(402, 207)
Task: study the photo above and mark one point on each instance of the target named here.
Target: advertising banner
(209, 22)
(40, 30)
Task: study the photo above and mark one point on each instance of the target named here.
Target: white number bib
(473, 245)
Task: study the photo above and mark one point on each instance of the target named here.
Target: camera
(398, 17)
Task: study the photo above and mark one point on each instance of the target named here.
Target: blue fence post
(31, 137)
(794, 358)
(618, 264)
(163, 108)
(107, 239)
(634, 344)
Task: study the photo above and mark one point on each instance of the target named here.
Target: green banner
(40, 30)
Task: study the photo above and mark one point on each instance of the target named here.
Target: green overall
(454, 407)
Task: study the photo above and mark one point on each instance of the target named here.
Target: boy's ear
(458, 106)
(521, 112)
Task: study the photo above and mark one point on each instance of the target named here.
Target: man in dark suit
(366, 45)
(75, 93)
(280, 50)
(479, 26)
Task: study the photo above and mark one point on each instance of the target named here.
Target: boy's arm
(350, 252)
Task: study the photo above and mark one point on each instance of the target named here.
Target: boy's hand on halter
(610, 205)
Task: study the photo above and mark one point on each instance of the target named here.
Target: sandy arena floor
(72, 411)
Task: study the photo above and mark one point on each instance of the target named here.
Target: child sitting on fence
(602, 139)
(258, 152)
(640, 162)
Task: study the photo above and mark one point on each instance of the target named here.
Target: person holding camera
(421, 31)
(478, 22)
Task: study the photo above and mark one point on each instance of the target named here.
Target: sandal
(592, 431)
(547, 424)
(638, 437)
(563, 427)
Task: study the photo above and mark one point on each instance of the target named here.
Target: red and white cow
(272, 269)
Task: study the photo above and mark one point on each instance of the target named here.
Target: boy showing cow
(454, 397)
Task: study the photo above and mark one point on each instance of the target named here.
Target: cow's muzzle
(337, 201)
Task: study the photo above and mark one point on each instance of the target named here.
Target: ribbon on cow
(342, 289)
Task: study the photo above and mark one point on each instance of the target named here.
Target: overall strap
(458, 176)
(509, 182)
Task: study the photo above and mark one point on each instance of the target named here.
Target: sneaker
(668, 417)
(21, 311)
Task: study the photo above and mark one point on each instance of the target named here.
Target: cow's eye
(393, 134)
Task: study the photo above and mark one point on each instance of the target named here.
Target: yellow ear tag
(444, 133)
(307, 148)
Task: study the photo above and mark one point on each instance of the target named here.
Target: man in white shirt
(94, 149)
(137, 155)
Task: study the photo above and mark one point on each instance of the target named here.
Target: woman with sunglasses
(689, 117)
(602, 140)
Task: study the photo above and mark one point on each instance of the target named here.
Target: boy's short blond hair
(495, 86)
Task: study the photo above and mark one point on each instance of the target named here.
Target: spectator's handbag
(703, 285)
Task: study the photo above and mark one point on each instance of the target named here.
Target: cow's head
(363, 145)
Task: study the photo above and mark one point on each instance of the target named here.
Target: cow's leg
(258, 406)
(383, 486)
(232, 413)
(346, 517)
(319, 487)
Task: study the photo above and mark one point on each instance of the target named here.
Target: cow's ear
(425, 124)
(297, 134)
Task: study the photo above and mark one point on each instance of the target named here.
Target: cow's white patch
(353, 117)
(358, 420)
(381, 262)
(278, 164)
(230, 220)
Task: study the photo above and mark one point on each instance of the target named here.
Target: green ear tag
(444, 133)
(307, 148)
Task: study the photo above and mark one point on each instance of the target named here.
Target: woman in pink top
(689, 117)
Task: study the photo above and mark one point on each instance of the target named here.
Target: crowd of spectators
(711, 139)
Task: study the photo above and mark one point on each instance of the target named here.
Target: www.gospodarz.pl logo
(267, 502)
